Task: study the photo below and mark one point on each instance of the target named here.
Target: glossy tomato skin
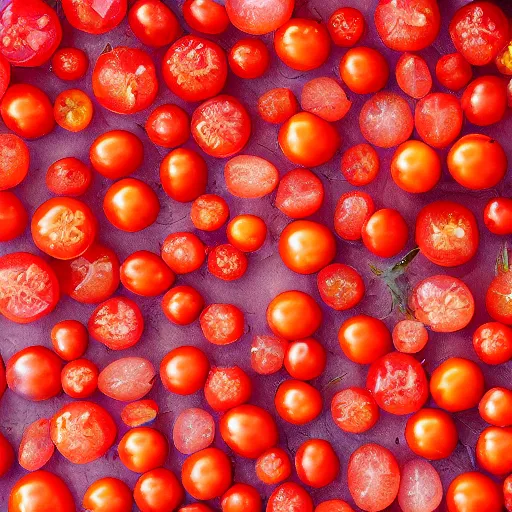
(36, 446)
(68, 177)
(5, 75)
(316, 463)
(158, 490)
(346, 26)
(298, 402)
(241, 498)
(340, 286)
(473, 492)
(82, 15)
(334, 506)
(226, 388)
(493, 450)
(277, 105)
(182, 304)
(453, 71)
(249, 58)
(168, 126)
(496, 299)
(70, 63)
(13, 217)
(184, 370)
(14, 170)
(206, 16)
(257, 17)
(108, 495)
(385, 233)
(8, 457)
(492, 342)
(364, 70)
(247, 232)
(142, 449)
(354, 410)
(496, 407)
(498, 216)
(484, 101)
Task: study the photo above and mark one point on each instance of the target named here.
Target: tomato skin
(305, 359)
(70, 63)
(496, 407)
(14, 170)
(142, 449)
(79, 378)
(354, 410)
(183, 252)
(493, 450)
(13, 217)
(364, 70)
(184, 370)
(247, 232)
(298, 402)
(316, 463)
(195, 507)
(277, 105)
(241, 498)
(453, 71)
(182, 305)
(68, 177)
(158, 490)
(352, 210)
(249, 58)
(27, 111)
(346, 26)
(473, 492)
(413, 76)
(206, 16)
(289, 495)
(492, 342)
(108, 495)
(82, 16)
(273, 466)
(484, 101)
(385, 233)
(8, 457)
(498, 216)
(168, 126)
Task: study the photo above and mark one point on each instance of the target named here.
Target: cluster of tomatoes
(65, 229)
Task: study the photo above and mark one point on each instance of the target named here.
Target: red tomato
(137, 414)
(209, 212)
(273, 466)
(360, 164)
(316, 463)
(27, 111)
(241, 498)
(385, 233)
(182, 305)
(267, 354)
(305, 359)
(124, 80)
(142, 449)
(68, 177)
(116, 154)
(484, 101)
(298, 402)
(69, 63)
(364, 70)
(479, 31)
(127, 379)
(71, 429)
(183, 252)
(5, 75)
(14, 160)
(29, 288)
(108, 495)
(226, 262)
(493, 450)
(334, 506)
(248, 430)
(507, 492)
(354, 410)
(352, 210)
(184, 370)
(247, 232)
(168, 126)
(497, 298)
(443, 303)
(453, 71)
(144, 273)
(79, 378)
(496, 407)
(346, 26)
(158, 491)
(13, 217)
(257, 17)
(222, 324)
(413, 76)
(30, 32)
(431, 433)
(473, 492)
(194, 430)
(409, 336)
(85, 15)
(250, 177)
(340, 286)
(153, 23)
(226, 388)
(325, 97)
(492, 342)
(249, 58)
(131, 205)
(40, 491)
(498, 216)
(207, 474)
(8, 457)
(36, 446)
(73, 110)
(289, 496)
(195, 68)
(206, 16)
(117, 323)
(277, 105)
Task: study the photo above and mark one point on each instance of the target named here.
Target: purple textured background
(267, 275)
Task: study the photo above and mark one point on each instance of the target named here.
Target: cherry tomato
(27, 111)
(206, 16)
(249, 58)
(507, 492)
(385, 233)
(364, 70)
(492, 342)
(413, 76)
(108, 495)
(334, 506)
(325, 97)
(158, 490)
(116, 154)
(409, 336)
(289, 496)
(226, 388)
(298, 402)
(360, 164)
(305, 359)
(140, 413)
(346, 26)
(277, 105)
(484, 101)
(273, 466)
(257, 17)
(247, 232)
(8, 457)
(14, 160)
(420, 486)
(168, 126)
(70, 63)
(183, 252)
(226, 262)
(473, 492)
(5, 75)
(209, 212)
(153, 23)
(497, 298)
(241, 498)
(222, 324)
(352, 210)
(194, 430)
(453, 71)
(354, 410)
(267, 354)
(86, 16)
(316, 463)
(68, 177)
(13, 217)
(36, 446)
(493, 450)
(142, 449)
(250, 177)
(498, 216)
(495, 407)
(182, 305)
(184, 370)
(73, 110)
(79, 378)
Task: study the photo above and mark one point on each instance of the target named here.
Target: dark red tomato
(142, 449)
(116, 154)
(273, 466)
(325, 97)
(496, 407)
(222, 324)
(479, 30)
(413, 76)
(206, 16)
(73, 110)
(453, 71)
(85, 15)
(27, 111)
(492, 342)
(68, 177)
(158, 490)
(493, 450)
(194, 430)
(79, 378)
(146, 274)
(8, 457)
(298, 402)
(354, 410)
(71, 429)
(302, 44)
(250, 177)
(352, 210)
(209, 212)
(408, 25)
(36, 446)
(29, 288)
(498, 216)
(340, 286)
(364, 70)
(226, 262)
(241, 498)
(386, 120)
(305, 359)
(360, 164)
(226, 388)
(117, 323)
(385, 233)
(334, 506)
(195, 68)
(124, 80)
(5, 75)
(248, 430)
(277, 105)
(257, 17)
(70, 63)
(182, 305)
(249, 58)
(13, 217)
(168, 126)
(346, 26)
(221, 126)
(184, 370)
(14, 160)
(90, 278)
(473, 492)
(447, 233)
(409, 336)
(183, 252)
(247, 232)
(69, 339)
(484, 101)
(108, 495)
(290, 496)
(139, 413)
(153, 23)
(316, 463)
(477, 162)
(41, 491)
(30, 32)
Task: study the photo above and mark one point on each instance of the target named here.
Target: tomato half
(108, 495)
(69, 63)
(142, 449)
(193, 430)
(209, 212)
(354, 410)
(36, 446)
(325, 97)
(453, 71)
(484, 101)
(257, 17)
(346, 26)
(360, 164)
(226, 388)
(206, 16)
(13, 217)
(73, 110)
(5, 75)
(492, 342)
(14, 160)
(473, 492)
(85, 15)
(352, 210)
(340, 286)
(183, 252)
(497, 298)
(277, 105)
(68, 177)
(413, 76)
(222, 324)
(273, 466)
(79, 378)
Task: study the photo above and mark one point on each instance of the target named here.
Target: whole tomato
(158, 490)
(298, 402)
(498, 216)
(86, 16)
(473, 492)
(364, 70)
(142, 449)
(108, 495)
(496, 407)
(184, 370)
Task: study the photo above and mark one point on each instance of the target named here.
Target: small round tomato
(13, 217)
(68, 177)
(432, 434)
(257, 17)
(492, 342)
(409, 336)
(209, 212)
(473, 491)
(153, 23)
(69, 339)
(305, 359)
(493, 450)
(142, 449)
(207, 474)
(14, 160)
(27, 111)
(360, 164)
(420, 486)
(247, 232)
(183, 252)
(325, 97)
(146, 274)
(184, 370)
(222, 324)
(117, 323)
(316, 463)
(194, 430)
(507, 492)
(206, 16)
(288, 496)
(302, 44)
(385, 233)
(497, 299)
(195, 68)
(29, 288)
(70, 63)
(182, 305)
(158, 490)
(79, 378)
(131, 205)
(453, 71)
(73, 110)
(334, 506)
(8, 457)
(36, 446)
(250, 177)
(226, 262)
(298, 402)
(277, 105)
(241, 498)
(477, 162)
(249, 58)
(140, 413)
(168, 126)
(496, 407)
(354, 410)
(30, 32)
(226, 388)
(267, 354)
(484, 101)
(108, 495)
(273, 466)
(352, 210)
(346, 26)
(116, 154)
(498, 216)
(248, 430)
(413, 76)
(85, 15)
(364, 70)
(341, 287)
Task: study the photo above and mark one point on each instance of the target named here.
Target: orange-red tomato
(298, 402)
(79, 378)
(496, 407)
(305, 359)
(70, 63)
(277, 105)
(249, 58)
(316, 463)
(73, 110)
(68, 177)
(324, 97)
(492, 342)
(246, 232)
(184, 370)
(473, 492)
(241, 498)
(273, 466)
(334, 506)
(7, 455)
(142, 449)
(182, 305)
(346, 26)
(364, 70)
(484, 101)
(13, 217)
(206, 16)
(498, 216)
(36, 446)
(413, 76)
(14, 168)
(139, 413)
(108, 495)
(158, 490)
(494, 450)
(453, 71)
(168, 126)
(385, 233)
(69, 339)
